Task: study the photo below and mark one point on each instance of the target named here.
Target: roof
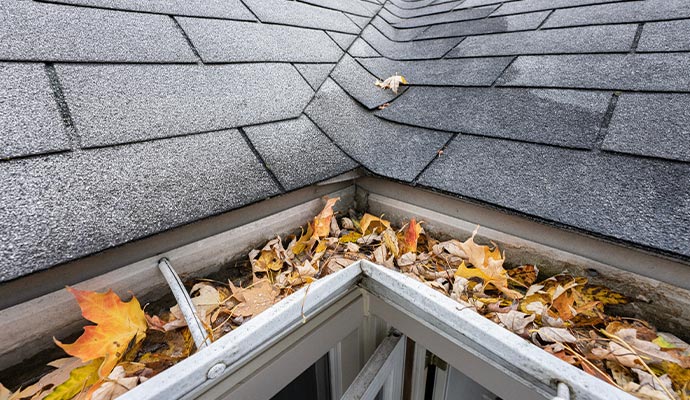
(121, 119)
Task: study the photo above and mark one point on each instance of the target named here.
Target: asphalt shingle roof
(121, 119)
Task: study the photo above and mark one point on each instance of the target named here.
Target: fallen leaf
(488, 265)
(411, 236)
(391, 242)
(407, 259)
(347, 223)
(516, 321)
(604, 295)
(644, 392)
(117, 324)
(79, 379)
(322, 222)
(257, 298)
(557, 335)
(392, 83)
(524, 275)
(350, 237)
(206, 300)
(117, 384)
(371, 224)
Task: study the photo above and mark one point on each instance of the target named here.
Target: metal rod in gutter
(196, 327)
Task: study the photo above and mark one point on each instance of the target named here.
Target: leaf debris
(564, 315)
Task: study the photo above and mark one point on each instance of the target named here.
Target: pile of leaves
(563, 314)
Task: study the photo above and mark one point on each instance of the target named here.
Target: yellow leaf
(350, 237)
(369, 224)
(322, 222)
(489, 264)
(268, 260)
(391, 242)
(117, 325)
(604, 295)
(304, 241)
(79, 379)
(524, 275)
(679, 376)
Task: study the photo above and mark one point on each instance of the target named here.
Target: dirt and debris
(564, 315)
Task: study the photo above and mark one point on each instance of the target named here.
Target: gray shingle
(301, 14)
(639, 200)
(124, 103)
(665, 36)
(602, 71)
(388, 17)
(297, 152)
(29, 118)
(359, 83)
(419, 12)
(315, 74)
(434, 48)
(65, 206)
(50, 32)
(489, 25)
(342, 39)
(453, 16)
(349, 6)
(411, 5)
(590, 39)
(656, 125)
(385, 148)
(515, 7)
(635, 11)
(232, 9)
(360, 48)
(233, 41)
(359, 21)
(458, 71)
(478, 3)
(559, 117)
(393, 33)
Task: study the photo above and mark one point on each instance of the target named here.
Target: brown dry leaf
(207, 300)
(616, 352)
(406, 259)
(392, 83)
(257, 298)
(563, 305)
(117, 384)
(371, 224)
(322, 222)
(644, 392)
(555, 335)
(47, 383)
(620, 374)
(516, 321)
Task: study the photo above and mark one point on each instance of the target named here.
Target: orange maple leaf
(322, 222)
(412, 235)
(117, 324)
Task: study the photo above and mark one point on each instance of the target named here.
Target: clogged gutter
(562, 314)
